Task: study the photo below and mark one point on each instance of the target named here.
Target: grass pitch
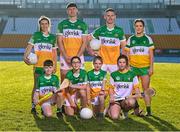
(16, 81)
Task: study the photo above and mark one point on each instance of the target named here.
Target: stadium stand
(153, 25)
(14, 41)
(92, 23)
(16, 36)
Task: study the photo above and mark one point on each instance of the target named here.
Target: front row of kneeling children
(92, 88)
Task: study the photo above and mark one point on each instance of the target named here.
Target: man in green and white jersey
(71, 37)
(112, 39)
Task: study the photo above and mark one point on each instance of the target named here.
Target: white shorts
(65, 66)
(74, 99)
(109, 68)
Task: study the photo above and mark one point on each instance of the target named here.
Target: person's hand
(150, 71)
(26, 60)
(73, 105)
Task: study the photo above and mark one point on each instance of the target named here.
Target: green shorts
(39, 70)
(140, 71)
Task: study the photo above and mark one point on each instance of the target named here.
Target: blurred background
(18, 21)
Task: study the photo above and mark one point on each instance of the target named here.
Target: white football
(32, 58)
(95, 44)
(86, 113)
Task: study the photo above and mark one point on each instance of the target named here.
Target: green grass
(15, 93)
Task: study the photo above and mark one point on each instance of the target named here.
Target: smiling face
(110, 17)
(44, 25)
(139, 27)
(48, 70)
(97, 65)
(72, 11)
(76, 64)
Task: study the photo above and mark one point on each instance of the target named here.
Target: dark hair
(75, 57)
(97, 58)
(110, 9)
(44, 19)
(48, 63)
(139, 20)
(71, 5)
(123, 57)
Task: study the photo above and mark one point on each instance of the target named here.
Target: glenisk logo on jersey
(43, 47)
(108, 41)
(95, 84)
(136, 50)
(120, 86)
(72, 33)
(46, 89)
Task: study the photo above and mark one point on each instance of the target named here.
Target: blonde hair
(44, 18)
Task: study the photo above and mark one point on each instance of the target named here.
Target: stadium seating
(14, 41)
(17, 36)
(153, 25)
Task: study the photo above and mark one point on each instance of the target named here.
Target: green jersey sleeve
(85, 29)
(96, 33)
(60, 29)
(32, 40)
(122, 35)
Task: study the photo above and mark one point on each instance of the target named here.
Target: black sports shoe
(33, 111)
(59, 114)
(100, 116)
(42, 113)
(148, 114)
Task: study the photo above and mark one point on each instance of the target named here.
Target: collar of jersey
(72, 21)
(45, 35)
(96, 72)
(47, 77)
(110, 29)
(124, 71)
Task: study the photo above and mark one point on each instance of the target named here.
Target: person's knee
(48, 114)
(130, 104)
(114, 116)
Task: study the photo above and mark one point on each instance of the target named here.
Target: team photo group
(119, 77)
